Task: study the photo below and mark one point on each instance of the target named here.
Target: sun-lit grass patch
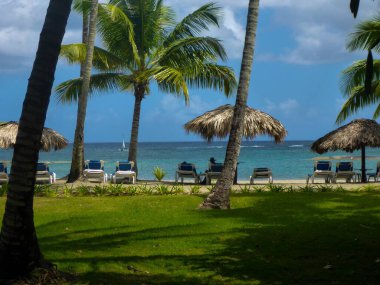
(266, 238)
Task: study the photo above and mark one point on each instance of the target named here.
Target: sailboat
(123, 148)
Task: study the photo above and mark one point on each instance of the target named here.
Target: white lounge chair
(344, 170)
(44, 175)
(261, 172)
(3, 172)
(124, 172)
(322, 169)
(186, 170)
(94, 171)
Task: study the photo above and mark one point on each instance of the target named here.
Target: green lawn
(267, 238)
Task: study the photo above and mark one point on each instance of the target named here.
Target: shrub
(159, 173)
(276, 188)
(163, 189)
(196, 189)
(245, 189)
(307, 188)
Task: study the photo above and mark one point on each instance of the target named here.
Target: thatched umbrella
(217, 123)
(354, 136)
(50, 139)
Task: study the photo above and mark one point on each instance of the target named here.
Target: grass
(267, 238)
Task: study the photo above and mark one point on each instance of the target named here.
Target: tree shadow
(287, 238)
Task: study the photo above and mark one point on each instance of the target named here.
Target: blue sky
(300, 52)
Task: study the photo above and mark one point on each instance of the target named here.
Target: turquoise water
(289, 160)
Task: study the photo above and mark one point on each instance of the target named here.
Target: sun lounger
(261, 172)
(94, 171)
(44, 175)
(344, 170)
(322, 169)
(3, 173)
(374, 175)
(213, 172)
(124, 172)
(186, 170)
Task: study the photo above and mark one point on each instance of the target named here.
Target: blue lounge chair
(345, 170)
(261, 172)
(3, 172)
(374, 175)
(124, 172)
(213, 172)
(94, 171)
(44, 175)
(322, 169)
(186, 170)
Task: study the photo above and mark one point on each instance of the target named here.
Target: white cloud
(316, 31)
(286, 107)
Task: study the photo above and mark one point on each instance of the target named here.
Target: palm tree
(219, 197)
(19, 249)
(77, 162)
(360, 81)
(144, 44)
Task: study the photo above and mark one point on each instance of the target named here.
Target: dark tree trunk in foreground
(77, 160)
(219, 198)
(133, 142)
(19, 249)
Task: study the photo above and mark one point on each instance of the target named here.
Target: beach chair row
(94, 172)
(188, 170)
(343, 170)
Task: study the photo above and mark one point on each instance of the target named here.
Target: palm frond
(212, 76)
(69, 91)
(102, 60)
(194, 48)
(355, 75)
(171, 80)
(117, 32)
(206, 75)
(366, 36)
(194, 23)
(358, 99)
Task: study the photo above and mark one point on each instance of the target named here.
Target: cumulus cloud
(315, 30)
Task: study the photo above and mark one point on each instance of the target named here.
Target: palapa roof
(50, 139)
(217, 123)
(350, 137)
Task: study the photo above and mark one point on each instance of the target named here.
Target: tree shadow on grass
(287, 238)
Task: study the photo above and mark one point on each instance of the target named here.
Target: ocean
(288, 160)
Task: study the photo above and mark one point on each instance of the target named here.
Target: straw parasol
(50, 139)
(354, 136)
(217, 123)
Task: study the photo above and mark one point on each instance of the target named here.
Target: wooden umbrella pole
(364, 176)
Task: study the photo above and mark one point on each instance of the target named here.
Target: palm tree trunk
(133, 142)
(77, 160)
(19, 249)
(219, 198)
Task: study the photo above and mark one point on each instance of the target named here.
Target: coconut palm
(143, 44)
(360, 80)
(19, 249)
(88, 38)
(219, 196)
